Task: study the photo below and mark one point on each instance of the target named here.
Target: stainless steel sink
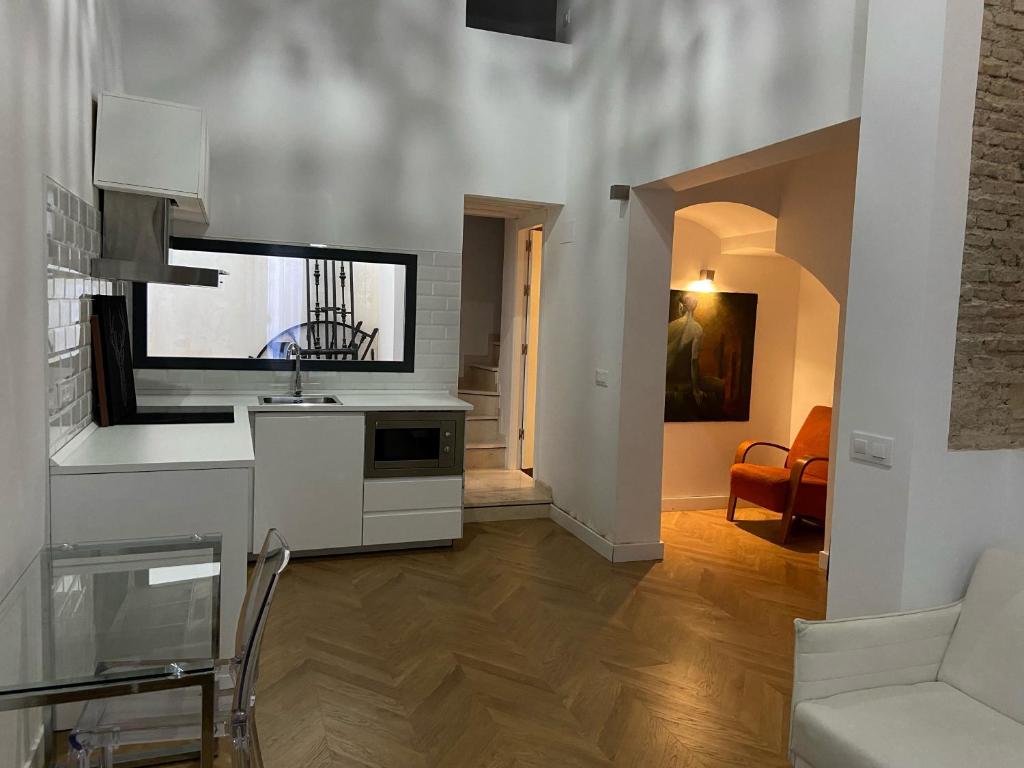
(300, 400)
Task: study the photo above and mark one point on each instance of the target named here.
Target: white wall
(814, 353)
(816, 215)
(658, 88)
(55, 56)
(908, 536)
(483, 258)
(697, 456)
(355, 123)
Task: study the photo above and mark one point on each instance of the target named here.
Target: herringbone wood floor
(522, 648)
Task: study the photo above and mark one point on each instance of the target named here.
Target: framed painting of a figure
(710, 356)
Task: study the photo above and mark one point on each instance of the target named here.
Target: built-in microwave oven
(416, 443)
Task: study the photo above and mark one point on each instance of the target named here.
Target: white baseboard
(616, 553)
(631, 553)
(588, 536)
(823, 560)
(689, 503)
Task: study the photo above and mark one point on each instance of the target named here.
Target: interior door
(531, 332)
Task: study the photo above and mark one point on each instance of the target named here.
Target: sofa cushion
(927, 725)
(769, 487)
(985, 658)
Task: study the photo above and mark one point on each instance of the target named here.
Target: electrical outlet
(601, 377)
(872, 449)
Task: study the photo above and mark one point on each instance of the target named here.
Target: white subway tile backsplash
(431, 302)
(448, 346)
(448, 259)
(436, 361)
(432, 273)
(443, 318)
(430, 332)
(72, 241)
(447, 289)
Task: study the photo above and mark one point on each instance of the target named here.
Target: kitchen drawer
(412, 525)
(412, 493)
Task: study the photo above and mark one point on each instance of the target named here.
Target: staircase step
(505, 488)
(482, 457)
(484, 403)
(482, 429)
(482, 377)
(497, 513)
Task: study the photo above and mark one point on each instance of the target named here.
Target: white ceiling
(728, 220)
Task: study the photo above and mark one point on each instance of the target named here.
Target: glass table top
(111, 611)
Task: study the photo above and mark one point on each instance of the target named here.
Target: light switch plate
(872, 449)
(601, 377)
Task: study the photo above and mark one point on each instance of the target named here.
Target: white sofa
(927, 689)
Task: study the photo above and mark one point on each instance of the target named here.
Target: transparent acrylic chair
(175, 716)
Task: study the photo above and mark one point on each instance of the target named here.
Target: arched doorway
(764, 374)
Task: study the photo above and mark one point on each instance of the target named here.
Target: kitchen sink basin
(299, 400)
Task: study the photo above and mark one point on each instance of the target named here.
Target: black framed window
(345, 309)
(525, 18)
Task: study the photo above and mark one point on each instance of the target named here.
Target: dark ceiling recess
(526, 18)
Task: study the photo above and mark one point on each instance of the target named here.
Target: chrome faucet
(295, 349)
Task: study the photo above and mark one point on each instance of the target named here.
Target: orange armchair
(796, 490)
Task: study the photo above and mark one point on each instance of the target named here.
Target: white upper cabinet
(154, 148)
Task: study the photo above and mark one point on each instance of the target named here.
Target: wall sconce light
(706, 283)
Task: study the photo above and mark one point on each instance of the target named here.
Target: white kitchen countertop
(152, 447)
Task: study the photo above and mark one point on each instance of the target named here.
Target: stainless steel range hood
(136, 239)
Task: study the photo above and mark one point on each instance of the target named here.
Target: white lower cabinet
(309, 479)
(109, 506)
(405, 510)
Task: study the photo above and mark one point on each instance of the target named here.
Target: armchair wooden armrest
(796, 476)
(744, 448)
(741, 458)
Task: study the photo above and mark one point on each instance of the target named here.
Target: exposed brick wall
(988, 371)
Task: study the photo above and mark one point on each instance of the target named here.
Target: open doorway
(752, 350)
(759, 270)
(502, 263)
